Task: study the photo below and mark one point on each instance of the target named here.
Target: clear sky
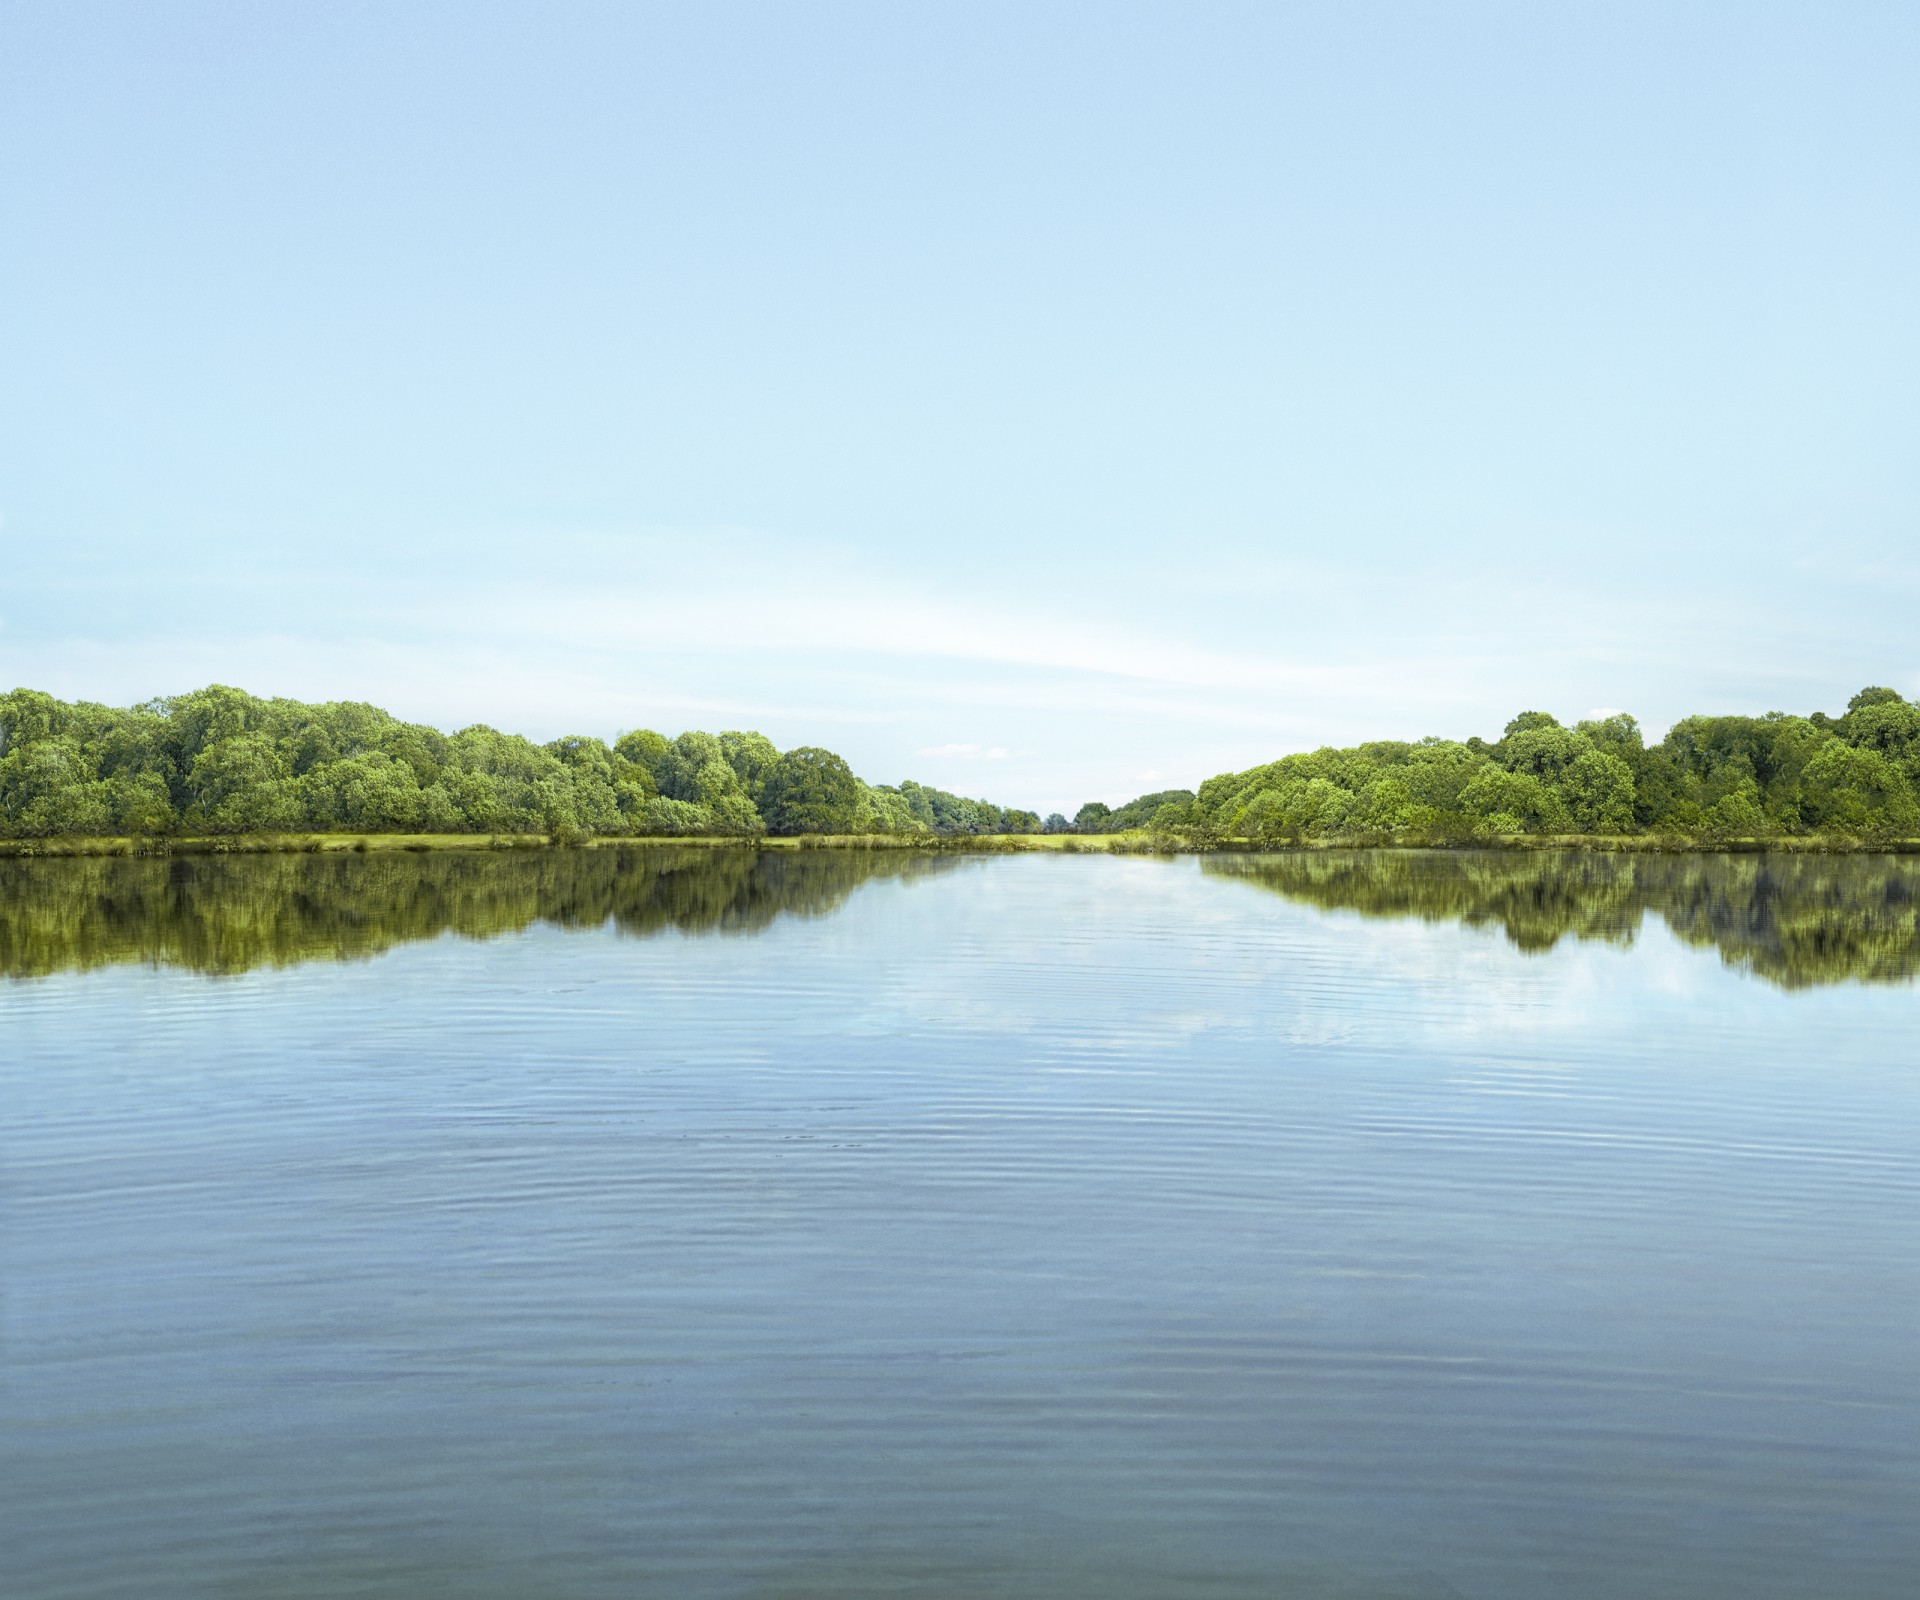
(1046, 401)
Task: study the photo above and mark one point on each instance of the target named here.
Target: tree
(1598, 791)
(1545, 750)
(753, 757)
(1853, 790)
(810, 790)
(1528, 721)
(1890, 726)
(1092, 817)
(1514, 802)
(141, 804)
(1618, 734)
(240, 784)
(47, 787)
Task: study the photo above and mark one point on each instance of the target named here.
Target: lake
(664, 1222)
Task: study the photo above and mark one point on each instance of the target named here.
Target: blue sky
(1045, 401)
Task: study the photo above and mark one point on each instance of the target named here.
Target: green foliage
(220, 761)
(1721, 778)
(811, 790)
(1871, 696)
(950, 815)
(47, 786)
(753, 758)
(1140, 813)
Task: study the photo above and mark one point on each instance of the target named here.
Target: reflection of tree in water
(1796, 920)
(230, 913)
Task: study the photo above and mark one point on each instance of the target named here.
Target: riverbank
(420, 843)
(1140, 842)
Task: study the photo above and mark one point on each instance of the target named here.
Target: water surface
(689, 1224)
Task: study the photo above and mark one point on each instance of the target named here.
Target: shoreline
(1140, 842)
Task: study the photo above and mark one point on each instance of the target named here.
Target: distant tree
(886, 811)
(141, 804)
(1528, 721)
(1140, 812)
(1849, 789)
(662, 817)
(240, 784)
(752, 757)
(1890, 726)
(1598, 791)
(1618, 734)
(1514, 802)
(47, 787)
(1544, 749)
(810, 790)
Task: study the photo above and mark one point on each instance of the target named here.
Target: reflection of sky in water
(1048, 1226)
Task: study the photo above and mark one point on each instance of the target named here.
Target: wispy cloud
(1063, 693)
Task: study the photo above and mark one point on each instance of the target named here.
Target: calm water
(658, 1224)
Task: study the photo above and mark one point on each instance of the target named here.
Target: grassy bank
(1139, 842)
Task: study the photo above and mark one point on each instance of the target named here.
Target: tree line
(221, 761)
(1856, 775)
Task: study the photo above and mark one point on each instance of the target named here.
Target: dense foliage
(1095, 817)
(220, 761)
(1855, 775)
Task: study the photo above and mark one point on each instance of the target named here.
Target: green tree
(1597, 790)
(1890, 726)
(1848, 789)
(752, 757)
(240, 784)
(1514, 802)
(47, 786)
(810, 790)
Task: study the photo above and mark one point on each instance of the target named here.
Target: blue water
(1021, 1227)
